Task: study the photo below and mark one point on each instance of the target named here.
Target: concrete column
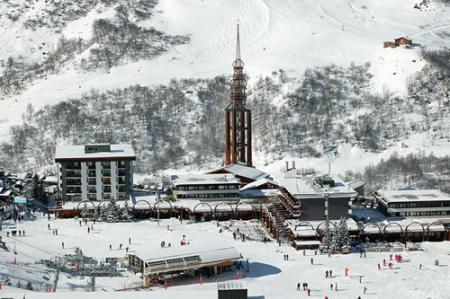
(233, 137)
(249, 139)
(114, 180)
(227, 137)
(84, 181)
(242, 137)
(99, 183)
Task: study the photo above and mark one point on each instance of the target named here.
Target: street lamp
(158, 201)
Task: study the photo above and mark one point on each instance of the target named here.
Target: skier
(331, 287)
(420, 267)
(365, 290)
(126, 249)
(312, 261)
(326, 274)
(62, 244)
(379, 267)
(360, 278)
(89, 230)
(298, 286)
(120, 246)
(129, 241)
(331, 273)
(287, 257)
(48, 226)
(335, 286)
(309, 292)
(304, 252)
(78, 222)
(110, 247)
(326, 297)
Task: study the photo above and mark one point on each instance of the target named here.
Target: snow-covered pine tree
(335, 240)
(343, 232)
(327, 238)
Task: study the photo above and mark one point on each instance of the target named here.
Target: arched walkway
(431, 224)
(142, 200)
(319, 230)
(206, 204)
(415, 222)
(85, 202)
(223, 204)
(236, 212)
(380, 232)
(421, 226)
(391, 224)
(156, 205)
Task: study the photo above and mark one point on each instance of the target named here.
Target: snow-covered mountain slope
(64, 49)
(289, 35)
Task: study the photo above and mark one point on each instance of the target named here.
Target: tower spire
(238, 124)
(238, 43)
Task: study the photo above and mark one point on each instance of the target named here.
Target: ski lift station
(182, 259)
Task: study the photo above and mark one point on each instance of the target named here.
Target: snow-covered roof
(77, 152)
(259, 183)
(392, 196)
(357, 184)
(304, 187)
(256, 193)
(208, 253)
(206, 179)
(244, 171)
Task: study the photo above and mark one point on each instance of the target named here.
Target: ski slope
(270, 276)
(290, 35)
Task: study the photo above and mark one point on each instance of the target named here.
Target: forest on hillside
(182, 123)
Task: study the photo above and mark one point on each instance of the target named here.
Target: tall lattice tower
(238, 118)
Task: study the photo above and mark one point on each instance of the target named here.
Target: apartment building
(95, 171)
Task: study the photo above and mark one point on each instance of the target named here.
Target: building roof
(259, 183)
(206, 179)
(304, 187)
(243, 171)
(392, 196)
(77, 152)
(207, 252)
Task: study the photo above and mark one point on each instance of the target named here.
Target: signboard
(18, 199)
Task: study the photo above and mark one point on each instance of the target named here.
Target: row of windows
(424, 213)
(207, 187)
(91, 164)
(213, 195)
(420, 204)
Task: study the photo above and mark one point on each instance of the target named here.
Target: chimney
(293, 164)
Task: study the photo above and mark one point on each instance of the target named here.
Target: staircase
(285, 207)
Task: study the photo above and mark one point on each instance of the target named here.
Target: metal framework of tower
(238, 118)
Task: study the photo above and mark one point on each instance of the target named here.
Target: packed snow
(270, 276)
